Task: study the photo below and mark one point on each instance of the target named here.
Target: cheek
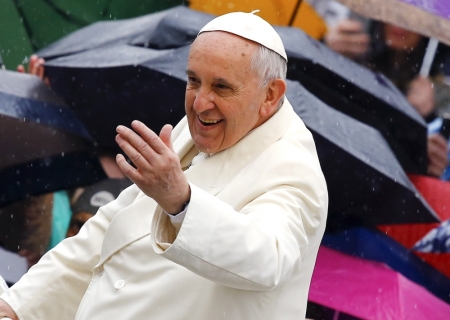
(189, 101)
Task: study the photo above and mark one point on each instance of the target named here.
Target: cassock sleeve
(254, 247)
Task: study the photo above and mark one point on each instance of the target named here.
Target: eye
(193, 80)
(221, 86)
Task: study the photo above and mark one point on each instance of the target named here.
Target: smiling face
(223, 97)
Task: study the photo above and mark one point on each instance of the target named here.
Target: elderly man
(234, 236)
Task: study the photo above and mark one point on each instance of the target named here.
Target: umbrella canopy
(45, 147)
(172, 28)
(366, 183)
(117, 84)
(427, 17)
(370, 290)
(376, 246)
(28, 25)
(355, 90)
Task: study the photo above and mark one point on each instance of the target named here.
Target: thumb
(165, 136)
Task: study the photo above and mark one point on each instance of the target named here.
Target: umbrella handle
(429, 57)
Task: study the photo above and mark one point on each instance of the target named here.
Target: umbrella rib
(105, 11)
(64, 15)
(294, 13)
(25, 23)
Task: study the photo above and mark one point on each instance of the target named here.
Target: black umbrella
(45, 148)
(355, 90)
(172, 28)
(366, 183)
(115, 85)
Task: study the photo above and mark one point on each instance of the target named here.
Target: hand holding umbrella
(348, 38)
(437, 154)
(158, 172)
(35, 67)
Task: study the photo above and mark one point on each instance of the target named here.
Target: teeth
(208, 121)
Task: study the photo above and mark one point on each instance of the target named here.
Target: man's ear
(274, 92)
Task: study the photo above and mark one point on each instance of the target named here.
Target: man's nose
(204, 100)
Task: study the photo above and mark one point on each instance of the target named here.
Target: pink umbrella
(370, 290)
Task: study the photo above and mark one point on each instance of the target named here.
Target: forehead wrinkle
(227, 50)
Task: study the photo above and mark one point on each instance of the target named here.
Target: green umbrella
(29, 25)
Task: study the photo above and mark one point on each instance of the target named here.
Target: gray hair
(269, 65)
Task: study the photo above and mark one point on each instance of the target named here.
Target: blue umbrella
(46, 148)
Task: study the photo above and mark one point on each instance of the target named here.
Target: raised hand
(158, 172)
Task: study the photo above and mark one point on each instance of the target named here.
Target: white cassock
(245, 250)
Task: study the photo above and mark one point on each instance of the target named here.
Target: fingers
(350, 26)
(143, 146)
(437, 154)
(138, 150)
(20, 68)
(36, 66)
(165, 136)
(150, 137)
(130, 172)
(348, 38)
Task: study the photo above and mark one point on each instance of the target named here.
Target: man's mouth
(208, 122)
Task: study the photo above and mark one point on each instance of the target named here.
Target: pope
(226, 213)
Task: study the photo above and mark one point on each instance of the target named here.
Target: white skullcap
(248, 26)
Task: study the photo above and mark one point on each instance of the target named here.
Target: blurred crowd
(32, 226)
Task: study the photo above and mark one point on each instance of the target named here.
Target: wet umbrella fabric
(115, 85)
(370, 290)
(29, 25)
(354, 90)
(45, 146)
(374, 245)
(168, 29)
(366, 184)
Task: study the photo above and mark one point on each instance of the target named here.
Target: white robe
(246, 248)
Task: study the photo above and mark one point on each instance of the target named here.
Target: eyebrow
(217, 80)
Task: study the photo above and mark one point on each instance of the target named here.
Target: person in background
(398, 54)
(87, 201)
(25, 227)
